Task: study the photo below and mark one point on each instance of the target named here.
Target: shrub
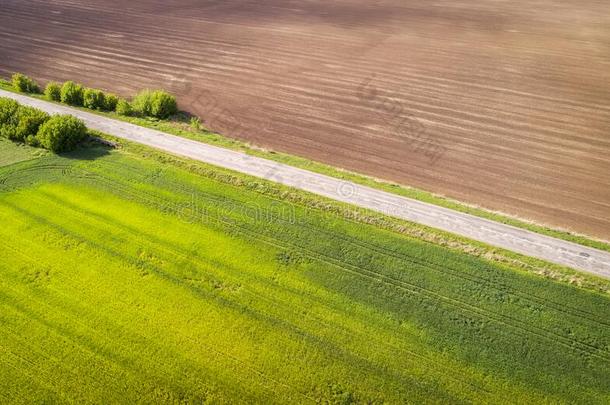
(72, 93)
(17, 121)
(155, 103)
(94, 99)
(142, 103)
(163, 104)
(8, 109)
(35, 127)
(8, 131)
(24, 84)
(61, 133)
(8, 117)
(53, 91)
(123, 107)
(29, 121)
(111, 102)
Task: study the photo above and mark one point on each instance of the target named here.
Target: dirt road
(504, 104)
(493, 233)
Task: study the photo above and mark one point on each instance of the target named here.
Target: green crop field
(124, 279)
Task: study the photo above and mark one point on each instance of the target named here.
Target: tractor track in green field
(331, 260)
(27, 259)
(577, 313)
(499, 318)
(433, 367)
(379, 312)
(120, 364)
(432, 364)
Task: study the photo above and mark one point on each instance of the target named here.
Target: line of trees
(57, 133)
(147, 103)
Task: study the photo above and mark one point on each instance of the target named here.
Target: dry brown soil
(504, 104)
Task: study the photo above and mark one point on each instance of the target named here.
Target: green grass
(12, 153)
(131, 276)
(180, 127)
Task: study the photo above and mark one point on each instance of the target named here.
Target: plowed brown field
(505, 104)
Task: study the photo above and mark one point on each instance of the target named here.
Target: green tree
(163, 104)
(8, 108)
(17, 122)
(29, 121)
(111, 102)
(123, 107)
(94, 99)
(62, 133)
(72, 93)
(53, 91)
(155, 103)
(8, 117)
(142, 103)
(24, 84)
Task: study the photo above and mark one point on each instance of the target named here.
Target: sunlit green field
(123, 280)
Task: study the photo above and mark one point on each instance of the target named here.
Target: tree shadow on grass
(91, 149)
